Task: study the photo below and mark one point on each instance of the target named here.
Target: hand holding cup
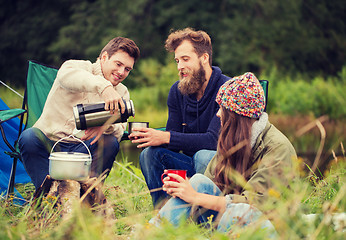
(136, 125)
(181, 173)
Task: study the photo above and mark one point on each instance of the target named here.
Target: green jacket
(272, 157)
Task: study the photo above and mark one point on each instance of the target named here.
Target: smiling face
(116, 68)
(191, 71)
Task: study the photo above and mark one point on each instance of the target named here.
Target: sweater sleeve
(193, 142)
(76, 75)
(189, 143)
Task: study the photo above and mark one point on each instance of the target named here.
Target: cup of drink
(181, 173)
(132, 125)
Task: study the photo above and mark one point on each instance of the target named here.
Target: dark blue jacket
(201, 128)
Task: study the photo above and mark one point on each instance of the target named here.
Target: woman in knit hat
(252, 155)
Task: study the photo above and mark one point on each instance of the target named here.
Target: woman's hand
(181, 189)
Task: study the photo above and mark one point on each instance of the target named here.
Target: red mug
(181, 173)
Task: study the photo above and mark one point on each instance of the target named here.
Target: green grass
(130, 208)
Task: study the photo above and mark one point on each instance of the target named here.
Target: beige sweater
(77, 82)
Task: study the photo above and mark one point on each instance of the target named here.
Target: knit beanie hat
(243, 95)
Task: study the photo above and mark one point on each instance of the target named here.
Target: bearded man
(192, 122)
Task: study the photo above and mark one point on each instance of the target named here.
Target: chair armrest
(6, 115)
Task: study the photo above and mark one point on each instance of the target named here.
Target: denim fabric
(177, 210)
(35, 149)
(242, 214)
(153, 160)
(201, 160)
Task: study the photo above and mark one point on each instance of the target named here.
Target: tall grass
(130, 205)
(130, 208)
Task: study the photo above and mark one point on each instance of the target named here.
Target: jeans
(177, 210)
(35, 149)
(201, 159)
(153, 160)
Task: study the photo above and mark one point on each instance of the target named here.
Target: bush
(315, 97)
(158, 81)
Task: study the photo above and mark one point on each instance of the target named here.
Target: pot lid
(69, 156)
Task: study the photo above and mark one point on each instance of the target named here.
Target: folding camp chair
(39, 81)
(265, 85)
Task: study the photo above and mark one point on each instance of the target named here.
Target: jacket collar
(259, 145)
(258, 127)
(97, 70)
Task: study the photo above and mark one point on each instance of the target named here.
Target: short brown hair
(200, 40)
(120, 43)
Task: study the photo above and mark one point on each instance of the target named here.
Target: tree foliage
(297, 36)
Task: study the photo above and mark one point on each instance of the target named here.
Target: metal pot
(69, 165)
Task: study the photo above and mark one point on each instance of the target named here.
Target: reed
(131, 209)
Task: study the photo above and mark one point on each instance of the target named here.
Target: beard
(188, 86)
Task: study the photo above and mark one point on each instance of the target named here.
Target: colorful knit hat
(243, 95)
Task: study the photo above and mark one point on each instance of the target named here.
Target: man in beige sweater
(81, 82)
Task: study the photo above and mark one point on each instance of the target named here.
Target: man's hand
(146, 137)
(92, 132)
(112, 100)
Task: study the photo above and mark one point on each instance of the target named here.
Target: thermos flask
(93, 115)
